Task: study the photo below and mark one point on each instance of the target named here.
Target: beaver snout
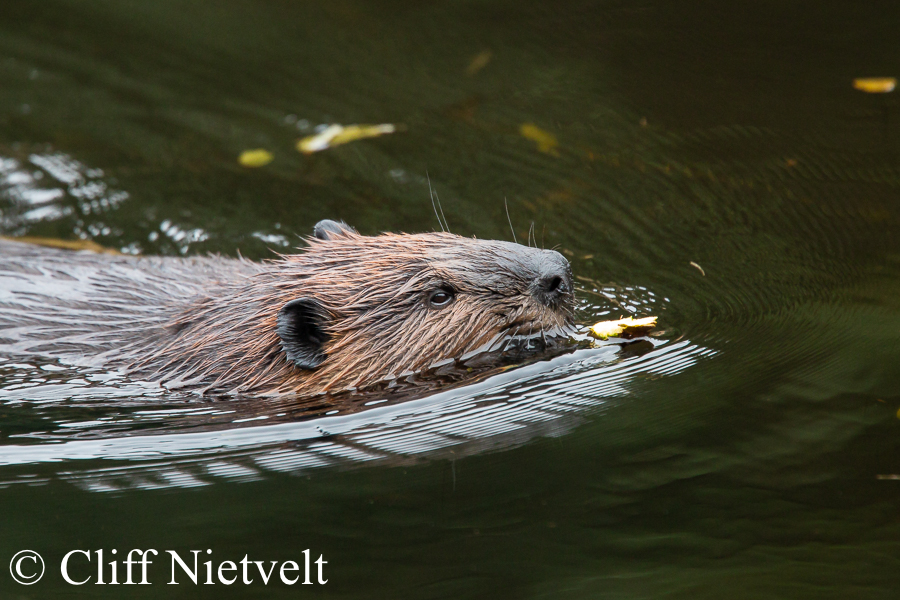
(553, 284)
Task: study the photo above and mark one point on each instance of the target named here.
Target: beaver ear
(300, 326)
(328, 229)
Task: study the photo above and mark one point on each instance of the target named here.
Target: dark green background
(723, 133)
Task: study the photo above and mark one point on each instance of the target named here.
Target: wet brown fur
(373, 292)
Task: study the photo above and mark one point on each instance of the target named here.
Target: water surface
(713, 165)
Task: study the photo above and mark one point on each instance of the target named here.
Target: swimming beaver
(348, 311)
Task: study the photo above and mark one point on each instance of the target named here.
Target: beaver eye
(440, 297)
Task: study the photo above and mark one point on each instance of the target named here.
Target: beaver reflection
(352, 310)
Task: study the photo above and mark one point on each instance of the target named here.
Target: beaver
(345, 312)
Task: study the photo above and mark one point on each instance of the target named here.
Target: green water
(724, 134)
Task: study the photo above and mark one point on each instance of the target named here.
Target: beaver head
(352, 310)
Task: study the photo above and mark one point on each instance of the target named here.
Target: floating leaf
(90, 245)
(604, 329)
(255, 158)
(335, 135)
(699, 268)
(875, 85)
(479, 61)
(546, 141)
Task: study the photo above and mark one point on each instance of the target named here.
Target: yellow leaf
(335, 135)
(479, 61)
(604, 329)
(255, 158)
(546, 141)
(875, 85)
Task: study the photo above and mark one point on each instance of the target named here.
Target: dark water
(749, 454)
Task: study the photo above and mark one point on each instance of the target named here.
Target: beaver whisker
(432, 194)
(510, 338)
(506, 206)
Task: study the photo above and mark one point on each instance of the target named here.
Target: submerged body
(346, 312)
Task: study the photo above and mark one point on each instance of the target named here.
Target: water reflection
(48, 186)
(220, 440)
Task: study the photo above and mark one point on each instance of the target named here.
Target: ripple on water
(199, 442)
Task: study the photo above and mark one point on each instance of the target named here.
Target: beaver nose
(554, 281)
